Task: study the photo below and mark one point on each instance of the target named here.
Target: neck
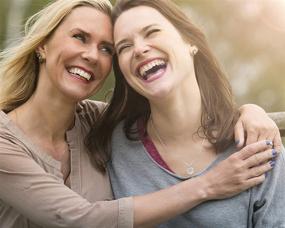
(44, 117)
(48, 114)
(178, 116)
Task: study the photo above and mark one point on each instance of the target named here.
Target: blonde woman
(46, 176)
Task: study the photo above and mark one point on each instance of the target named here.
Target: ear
(41, 50)
(41, 53)
(193, 50)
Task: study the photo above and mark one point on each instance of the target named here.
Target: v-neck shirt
(32, 191)
(134, 171)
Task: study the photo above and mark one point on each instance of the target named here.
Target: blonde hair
(19, 66)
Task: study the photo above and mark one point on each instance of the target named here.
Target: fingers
(253, 148)
(274, 136)
(254, 181)
(239, 134)
(252, 136)
(277, 142)
(261, 158)
(242, 170)
(257, 125)
(264, 136)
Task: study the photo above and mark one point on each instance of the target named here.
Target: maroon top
(150, 147)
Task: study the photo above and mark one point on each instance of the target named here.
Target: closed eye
(152, 31)
(122, 48)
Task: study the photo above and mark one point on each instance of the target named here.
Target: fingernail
(272, 163)
(274, 153)
(237, 142)
(269, 143)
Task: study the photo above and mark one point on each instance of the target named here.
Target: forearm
(244, 107)
(33, 194)
(157, 207)
(240, 171)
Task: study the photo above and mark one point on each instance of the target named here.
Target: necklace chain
(190, 170)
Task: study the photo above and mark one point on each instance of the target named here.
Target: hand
(242, 170)
(255, 125)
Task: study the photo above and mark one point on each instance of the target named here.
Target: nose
(140, 49)
(91, 54)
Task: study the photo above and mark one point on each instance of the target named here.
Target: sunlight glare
(275, 17)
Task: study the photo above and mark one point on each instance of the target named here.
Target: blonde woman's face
(78, 54)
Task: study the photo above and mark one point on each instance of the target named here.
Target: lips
(151, 67)
(80, 72)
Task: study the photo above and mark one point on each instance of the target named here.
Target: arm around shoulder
(43, 198)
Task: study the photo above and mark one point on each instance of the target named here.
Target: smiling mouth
(147, 70)
(78, 72)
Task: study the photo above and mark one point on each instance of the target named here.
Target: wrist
(199, 188)
(250, 107)
(206, 188)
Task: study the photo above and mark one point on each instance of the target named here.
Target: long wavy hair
(219, 113)
(19, 66)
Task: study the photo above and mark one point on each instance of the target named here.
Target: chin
(76, 97)
(161, 94)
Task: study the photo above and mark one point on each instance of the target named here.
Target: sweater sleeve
(45, 200)
(268, 199)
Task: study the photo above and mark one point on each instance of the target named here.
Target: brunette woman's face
(78, 54)
(153, 56)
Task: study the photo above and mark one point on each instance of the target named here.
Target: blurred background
(247, 36)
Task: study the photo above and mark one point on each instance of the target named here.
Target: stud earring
(40, 57)
(194, 51)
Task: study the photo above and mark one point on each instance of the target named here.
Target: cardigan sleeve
(268, 199)
(44, 199)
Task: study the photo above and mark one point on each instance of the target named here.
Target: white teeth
(80, 72)
(150, 65)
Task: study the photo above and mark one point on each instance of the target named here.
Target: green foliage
(246, 36)
(4, 5)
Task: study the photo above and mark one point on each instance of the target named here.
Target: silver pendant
(190, 170)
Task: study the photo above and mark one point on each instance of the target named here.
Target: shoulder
(90, 106)
(118, 130)
(121, 144)
(7, 136)
(118, 135)
(12, 149)
(90, 110)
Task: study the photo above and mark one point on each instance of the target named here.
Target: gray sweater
(134, 172)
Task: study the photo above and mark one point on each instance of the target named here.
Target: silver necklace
(190, 170)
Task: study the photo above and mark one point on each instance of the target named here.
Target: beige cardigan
(32, 190)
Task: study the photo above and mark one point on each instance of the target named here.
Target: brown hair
(219, 113)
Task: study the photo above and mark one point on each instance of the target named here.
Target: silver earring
(194, 51)
(40, 57)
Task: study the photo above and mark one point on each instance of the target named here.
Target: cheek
(106, 66)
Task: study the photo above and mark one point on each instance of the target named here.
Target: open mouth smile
(81, 73)
(145, 71)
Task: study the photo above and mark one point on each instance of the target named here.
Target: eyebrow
(89, 35)
(141, 31)
(81, 30)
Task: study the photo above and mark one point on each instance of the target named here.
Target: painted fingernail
(269, 143)
(237, 142)
(274, 153)
(272, 163)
